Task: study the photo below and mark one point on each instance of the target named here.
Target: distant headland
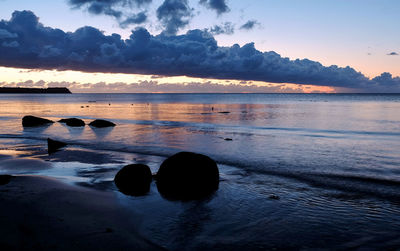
(58, 90)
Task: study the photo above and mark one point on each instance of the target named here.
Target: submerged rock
(30, 121)
(187, 176)
(74, 122)
(134, 179)
(101, 123)
(54, 145)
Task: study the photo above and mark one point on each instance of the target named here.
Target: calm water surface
(333, 160)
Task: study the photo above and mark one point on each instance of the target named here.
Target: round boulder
(30, 121)
(101, 123)
(73, 122)
(187, 176)
(134, 179)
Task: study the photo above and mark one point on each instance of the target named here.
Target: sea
(297, 171)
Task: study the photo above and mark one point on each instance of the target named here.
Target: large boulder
(187, 176)
(101, 123)
(30, 121)
(134, 179)
(54, 145)
(74, 122)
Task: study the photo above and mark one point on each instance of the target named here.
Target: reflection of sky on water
(285, 131)
(333, 163)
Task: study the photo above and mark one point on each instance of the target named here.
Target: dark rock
(5, 179)
(228, 139)
(187, 176)
(54, 145)
(30, 121)
(101, 123)
(274, 197)
(134, 179)
(74, 122)
(224, 112)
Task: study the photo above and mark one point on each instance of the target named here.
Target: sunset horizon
(199, 125)
(113, 41)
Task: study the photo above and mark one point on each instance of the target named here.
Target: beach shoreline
(41, 213)
(291, 177)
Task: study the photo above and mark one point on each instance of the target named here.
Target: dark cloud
(249, 25)
(219, 6)
(121, 10)
(226, 28)
(393, 54)
(174, 14)
(194, 54)
(385, 83)
(138, 18)
(6, 34)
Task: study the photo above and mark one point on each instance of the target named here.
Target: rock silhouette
(101, 123)
(187, 176)
(134, 179)
(74, 122)
(5, 179)
(30, 121)
(54, 145)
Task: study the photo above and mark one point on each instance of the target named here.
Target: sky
(201, 45)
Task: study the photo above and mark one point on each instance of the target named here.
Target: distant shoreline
(52, 90)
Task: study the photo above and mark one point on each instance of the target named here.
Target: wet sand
(40, 213)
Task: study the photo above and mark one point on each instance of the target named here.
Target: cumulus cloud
(226, 28)
(393, 54)
(121, 10)
(174, 14)
(6, 34)
(138, 18)
(249, 25)
(385, 83)
(219, 6)
(10, 44)
(194, 54)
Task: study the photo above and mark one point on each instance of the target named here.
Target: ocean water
(302, 171)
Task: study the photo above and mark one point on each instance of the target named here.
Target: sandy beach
(41, 213)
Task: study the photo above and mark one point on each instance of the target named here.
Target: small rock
(74, 122)
(274, 197)
(54, 145)
(30, 121)
(134, 179)
(101, 123)
(228, 139)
